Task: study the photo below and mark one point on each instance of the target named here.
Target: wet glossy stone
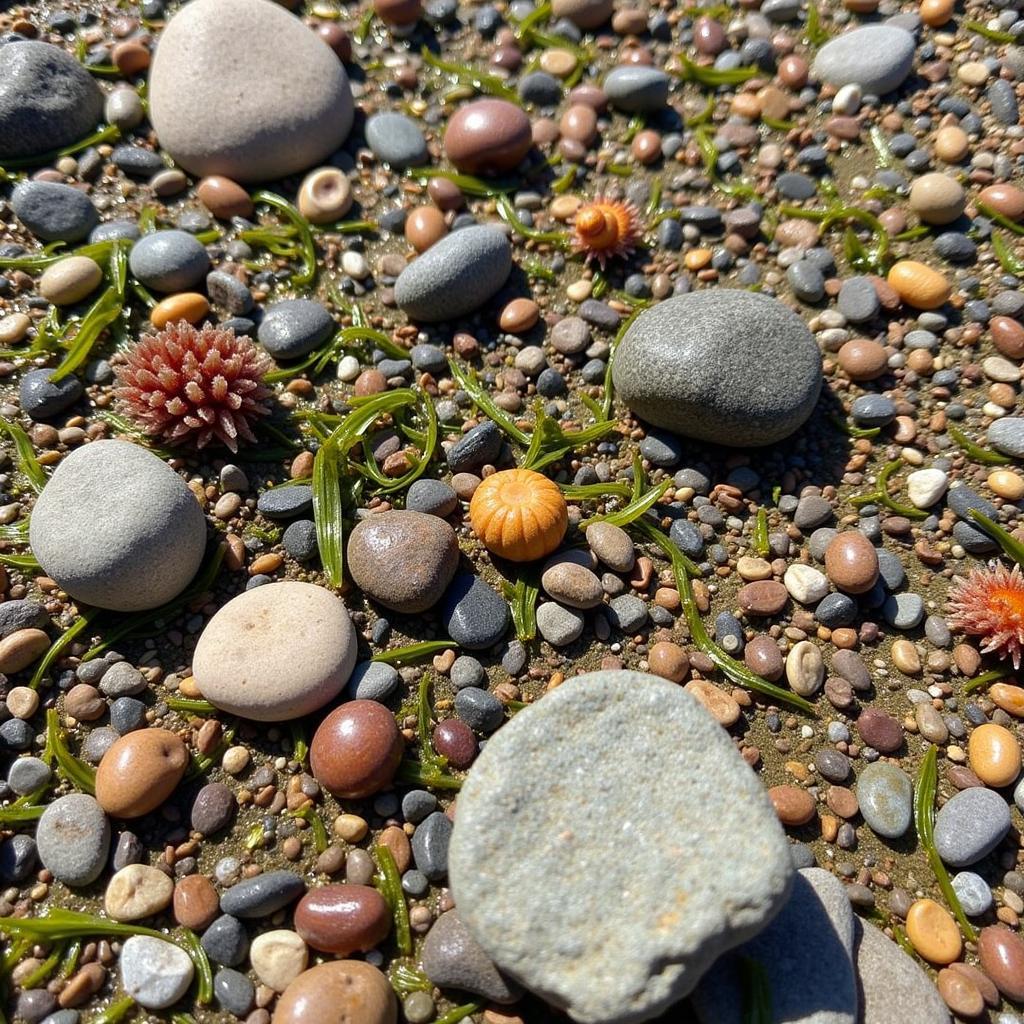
(356, 750)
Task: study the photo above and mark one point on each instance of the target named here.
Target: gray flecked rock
(372, 680)
(117, 528)
(42, 398)
(73, 839)
(430, 845)
(858, 300)
(47, 99)
(456, 275)
(970, 825)
(886, 797)
(226, 941)
(475, 616)
(558, 625)
(811, 979)
(636, 89)
(54, 212)
(878, 58)
(723, 365)
(169, 261)
(294, 327)
(703, 893)
(263, 895)
(396, 139)
(243, 88)
(122, 680)
(21, 614)
(1007, 436)
(403, 560)
(973, 892)
(892, 988)
(17, 858)
(433, 497)
(476, 448)
(156, 973)
(285, 502)
(452, 958)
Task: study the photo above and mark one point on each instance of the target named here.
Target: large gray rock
(243, 88)
(117, 528)
(456, 275)
(52, 211)
(878, 58)
(73, 839)
(722, 365)
(612, 761)
(47, 99)
(893, 988)
(806, 954)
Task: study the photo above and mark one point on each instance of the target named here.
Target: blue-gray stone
(372, 680)
(127, 714)
(263, 895)
(137, 161)
(973, 540)
(806, 280)
(475, 616)
(627, 613)
(169, 261)
(886, 797)
(396, 139)
(17, 858)
(293, 327)
(722, 365)
(114, 229)
(16, 734)
(1003, 101)
(476, 448)
(904, 611)
(456, 275)
(878, 58)
(636, 89)
(226, 941)
(429, 359)
(479, 709)
(662, 450)
(452, 958)
(285, 502)
(467, 671)
(228, 293)
(873, 411)
(973, 892)
(961, 499)
(21, 614)
(890, 569)
(835, 610)
(53, 212)
(433, 497)
(430, 845)
(796, 185)
(687, 537)
(42, 398)
(540, 88)
(955, 247)
(970, 825)
(858, 300)
(300, 541)
(234, 991)
(1007, 436)
(73, 839)
(47, 100)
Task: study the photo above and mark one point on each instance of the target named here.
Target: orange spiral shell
(519, 515)
(605, 228)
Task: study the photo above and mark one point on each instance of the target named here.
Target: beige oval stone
(805, 668)
(937, 198)
(20, 649)
(905, 657)
(13, 328)
(720, 704)
(70, 280)
(278, 957)
(137, 891)
(325, 195)
(338, 992)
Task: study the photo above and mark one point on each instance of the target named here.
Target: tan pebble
(721, 705)
(697, 259)
(937, 198)
(863, 359)
(805, 668)
(586, 14)
(905, 657)
(137, 891)
(1005, 199)
(130, 57)
(350, 827)
(563, 208)
(994, 754)
(981, 981)
(558, 62)
(325, 195)
(189, 306)
(235, 760)
(669, 661)
(13, 328)
(793, 805)
(578, 291)
(918, 285)
(139, 772)
(936, 12)
(268, 563)
(519, 316)
(70, 280)
(21, 648)
(224, 198)
(933, 932)
(83, 985)
(1007, 484)
(1004, 695)
(278, 957)
(22, 702)
(338, 992)
(424, 226)
(752, 568)
(960, 994)
(973, 72)
(952, 144)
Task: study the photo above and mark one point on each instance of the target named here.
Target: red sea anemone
(990, 604)
(192, 385)
(605, 228)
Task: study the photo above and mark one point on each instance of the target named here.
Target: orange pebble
(933, 932)
(190, 306)
(994, 754)
(918, 285)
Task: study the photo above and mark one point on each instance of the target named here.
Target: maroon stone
(455, 740)
(343, 919)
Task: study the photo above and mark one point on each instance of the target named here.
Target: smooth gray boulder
(878, 58)
(723, 365)
(608, 762)
(117, 528)
(243, 88)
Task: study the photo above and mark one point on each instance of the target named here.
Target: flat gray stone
(372, 680)
(473, 613)
(807, 957)
(117, 528)
(42, 398)
(263, 895)
(22, 614)
(169, 261)
(878, 58)
(243, 88)
(558, 625)
(970, 825)
(52, 211)
(452, 958)
(456, 275)
(293, 327)
(636, 89)
(1007, 436)
(73, 839)
(886, 797)
(396, 139)
(532, 834)
(893, 988)
(47, 99)
(723, 365)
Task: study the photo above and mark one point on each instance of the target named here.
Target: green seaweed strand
(307, 275)
(985, 456)
(986, 678)
(389, 882)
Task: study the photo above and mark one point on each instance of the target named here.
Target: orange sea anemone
(605, 228)
(990, 604)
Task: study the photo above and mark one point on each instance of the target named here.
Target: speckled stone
(53, 211)
(970, 825)
(169, 261)
(886, 797)
(293, 327)
(602, 960)
(878, 58)
(396, 139)
(73, 839)
(724, 365)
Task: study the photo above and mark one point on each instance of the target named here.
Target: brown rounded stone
(721, 705)
(398, 12)
(196, 903)
(851, 562)
(343, 919)
(445, 194)
(935, 13)
(487, 136)
(763, 597)
(84, 702)
(519, 316)
(646, 146)
(424, 226)
(338, 992)
(579, 123)
(960, 994)
(980, 980)
(370, 382)
(1001, 953)
(357, 749)
(139, 772)
(937, 198)
(395, 839)
(336, 38)
(223, 197)
(794, 71)
(669, 661)
(1005, 199)
(763, 657)
(879, 730)
(455, 740)
(1008, 336)
(709, 37)
(863, 359)
(842, 802)
(793, 805)
(952, 144)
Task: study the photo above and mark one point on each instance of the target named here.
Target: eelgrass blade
(985, 456)
(389, 882)
(1012, 548)
(81, 775)
(485, 403)
(980, 682)
(413, 652)
(328, 511)
(60, 644)
(25, 456)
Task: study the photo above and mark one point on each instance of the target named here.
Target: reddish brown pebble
(1005, 199)
(709, 37)
(579, 123)
(139, 772)
(1002, 958)
(793, 805)
(487, 136)
(646, 146)
(1008, 336)
(445, 194)
(794, 71)
(851, 562)
(455, 740)
(224, 198)
(398, 12)
(343, 919)
(370, 382)
(195, 902)
(356, 751)
(981, 981)
(669, 661)
(960, 994)
(84, 702)
(763, 597)
(519, 315)
(424, 226)
(879, 730)
(863, 359)
(338, 992)
(336, 38)
(130, 57)
(395, 839)
(763, 657)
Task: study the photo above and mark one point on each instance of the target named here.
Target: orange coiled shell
(605, 228)
(519, 515)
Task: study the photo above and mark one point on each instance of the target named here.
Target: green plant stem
(45, 969)
(412, 773)
(389, 882)
(413, 652)
(522, 598)
(1011, 263)
(25, 455)
(760, 536)
(508, 214)
(1012, 547)
(998, 218)
(316, 826)
(985, 456)
(479, 80)
(881, 495)
(459, 1013)
(81, 775)
(989, 33)
(307, 275)
(191, 704)
(483, 401)
(116, 1011)
(982, 681)
(61, 644)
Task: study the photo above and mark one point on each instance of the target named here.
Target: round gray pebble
(73, 839)
(293, 327)
(169, 261)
